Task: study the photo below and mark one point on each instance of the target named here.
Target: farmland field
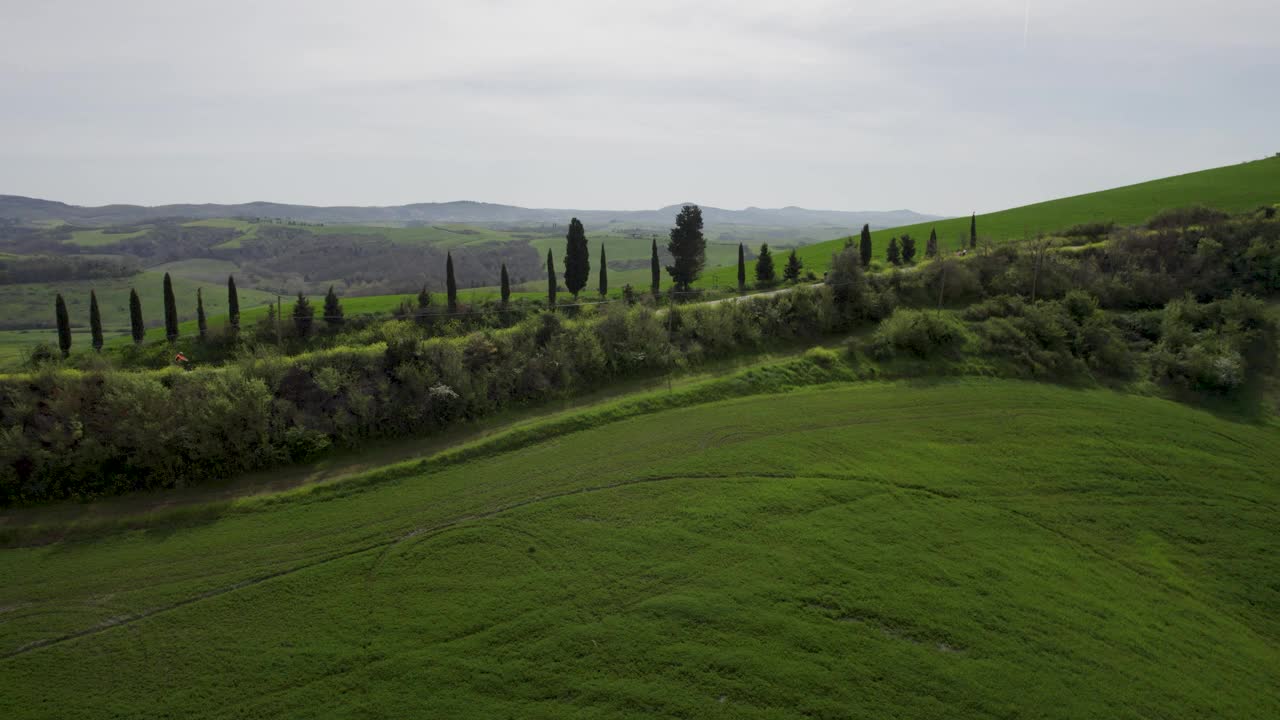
(971, 548)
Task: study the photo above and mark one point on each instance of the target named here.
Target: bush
(920, 334)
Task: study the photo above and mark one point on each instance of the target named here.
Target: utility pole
(942, 285)
(1035, 275)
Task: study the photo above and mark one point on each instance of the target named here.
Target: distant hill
(27, 210)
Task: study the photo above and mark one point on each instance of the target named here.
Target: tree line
(687, 246)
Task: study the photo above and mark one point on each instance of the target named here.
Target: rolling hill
(30, 210)
(1233, 188)
(849, 550)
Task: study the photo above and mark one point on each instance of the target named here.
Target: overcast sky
(942, 106)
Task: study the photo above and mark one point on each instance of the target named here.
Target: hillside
(852, 550)
(1233, 188)
(30, 210)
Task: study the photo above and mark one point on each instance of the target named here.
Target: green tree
(791, 273)
(551, 281)
(138, 330)
(973, 230)
(908, 249)
(202, 324)
(864, 247)
(891, 253)
(64, 325)
(765, 274)
(655, 269)
(604, 273)
(170, 311)
(333, 308)
(742, 268)
(95, 321)
(848, 285)
(424, 300)
(931, 247)
(505, 285)
(450, 285)
(687, 247)
(233, 304)
(577, 258)
(303, 315)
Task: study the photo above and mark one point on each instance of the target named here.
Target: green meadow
(969, 548)
(1235, 188)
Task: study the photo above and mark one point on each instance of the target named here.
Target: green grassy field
(1233, 188)
(31, 301)
(204, 271)
(955, 549)
(94, 238)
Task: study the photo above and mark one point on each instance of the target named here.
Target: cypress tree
(135, 317)
(931, 247)
(655, 270)
(424, 299)
(333, 308)
(202, 325)
(908, 249)
(451, 285)
(506, 285)
(891, 253)
(687, 246)
(64, 325)
(577, 258)
(864, 247)
(233, 305)
(95, 321)
(170, 311)
(792, 271)
(765, 274)
(604, 273)
(551, 281)
(303, 315)
(973, 230)
(742, 268)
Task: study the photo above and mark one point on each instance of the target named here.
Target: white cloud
(928, 104)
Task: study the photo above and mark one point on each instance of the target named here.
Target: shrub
(920, 334)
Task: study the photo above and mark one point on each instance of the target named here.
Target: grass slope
(36, 302)
(963, 549)
(1233, 188)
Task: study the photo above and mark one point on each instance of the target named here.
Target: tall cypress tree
(64, 325)
(792, 271)
(973, 230)
(655, 268)
(577, 258)
(931, 247)
(233, 305)
(95, 321)
(908, 249)
(688, 247)
(333, 308)
(765, 274)
(450, 285)
(202, 325)
(742, 268)
(891, 253)
(604, 273)
(864, 246)
(303, 315)
(135, 317)
(506, 285)
(551, 280)
(170, 311)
